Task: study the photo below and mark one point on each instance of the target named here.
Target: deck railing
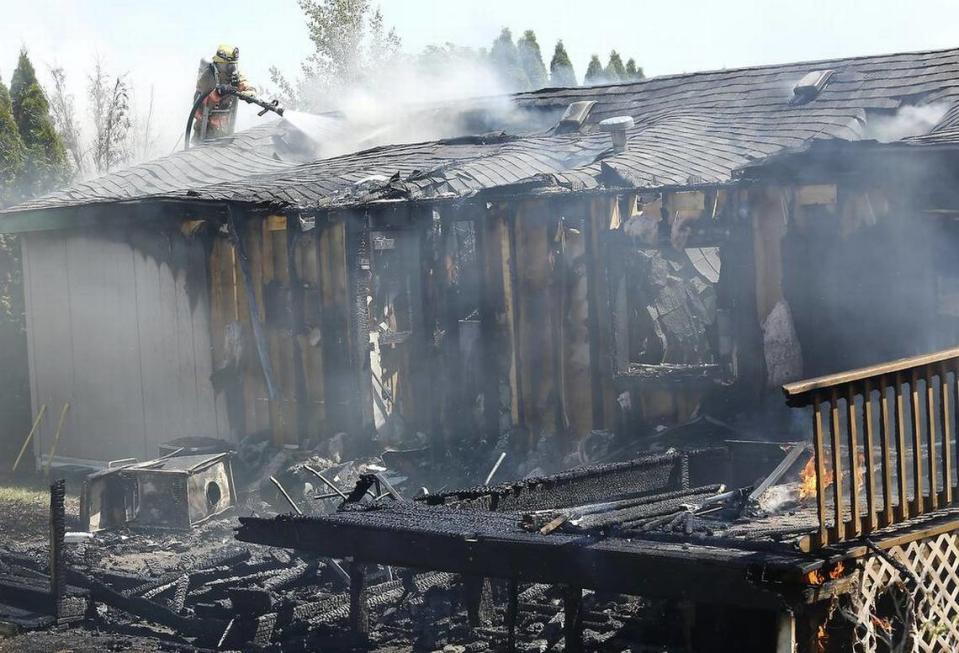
(883, 439)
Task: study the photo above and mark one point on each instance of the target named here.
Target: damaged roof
(690, 129)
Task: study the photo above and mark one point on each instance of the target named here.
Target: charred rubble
(181, 585)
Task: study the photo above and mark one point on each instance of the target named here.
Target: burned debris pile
(190, 583)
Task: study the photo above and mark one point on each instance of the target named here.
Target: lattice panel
(935, 563)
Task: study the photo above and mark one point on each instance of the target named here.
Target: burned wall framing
(544, 321)
(541, 323)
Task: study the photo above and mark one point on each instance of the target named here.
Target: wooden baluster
(870, 427)
(945, 421)
(954, 364)
(917, 483)
(886, 430)
(820, 456)
(854, 469)
(933, 453)
(901, 449)
(835, 431)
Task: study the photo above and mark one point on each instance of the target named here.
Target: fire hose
(225, 90)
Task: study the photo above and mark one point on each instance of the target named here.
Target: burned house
(549, 282)
(619, 261)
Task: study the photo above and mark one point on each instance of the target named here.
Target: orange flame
(836, 572)
(822, 639)
(807, 479)
(818, 577)
(882, 623)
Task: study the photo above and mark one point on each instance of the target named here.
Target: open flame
(822, 639)
(819, 576)
(807, 479)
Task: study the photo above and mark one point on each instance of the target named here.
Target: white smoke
(907, 121)
(413, 103)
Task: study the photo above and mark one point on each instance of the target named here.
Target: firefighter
(217, 115)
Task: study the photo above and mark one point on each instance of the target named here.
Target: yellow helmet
(226, 53)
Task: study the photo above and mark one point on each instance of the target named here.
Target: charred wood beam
(289, 577)
(250, 600)
(57, 528)
(246, 632)
(35, 594)
(573, 619)
(359, 600)
(297, 326)
(635, 567)
(208, 569)
(512, 613)
(148, 610)
(179, 596)
(360, 278)
(478, 597)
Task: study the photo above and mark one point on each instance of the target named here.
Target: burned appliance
(174, 492)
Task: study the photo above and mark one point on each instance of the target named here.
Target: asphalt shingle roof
(696, 128)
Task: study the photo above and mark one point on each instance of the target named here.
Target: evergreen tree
(11, 151)
(615, 70)
(561, 68)
(632, 72)
(531, 59)
(505, 60)
(46, 158)
(594, 72)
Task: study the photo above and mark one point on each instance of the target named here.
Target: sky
(159, 44)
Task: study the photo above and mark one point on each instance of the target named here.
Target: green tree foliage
(505, 60)
(615, 70)
(46, 159)
(15, 401)
(531, 59)
(351, 46)
(12, 153)
(594, 72)
(561, 71)
(632, 72)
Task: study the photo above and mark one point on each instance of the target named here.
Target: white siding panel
(118, 334)
(49, 332)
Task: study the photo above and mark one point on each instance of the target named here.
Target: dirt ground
(75, 640)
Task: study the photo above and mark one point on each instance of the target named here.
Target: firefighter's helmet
(226, 54)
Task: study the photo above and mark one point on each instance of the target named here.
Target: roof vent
(616, 127)
(574, 116)
(810, 85)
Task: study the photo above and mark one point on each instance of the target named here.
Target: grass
(23, 495)
(25, 508)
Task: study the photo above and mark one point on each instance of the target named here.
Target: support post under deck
(512, 613)
(573, 619)
(359, 604)
(477, 595)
